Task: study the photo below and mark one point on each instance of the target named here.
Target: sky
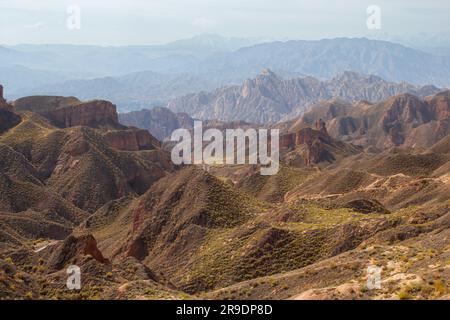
(114, 22)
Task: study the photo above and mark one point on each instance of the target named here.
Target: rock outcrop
(3, 104)
(313, 141)
(131, 140)
(72, 249)
(65, 112)
(94, 114)
(8, 119)
(440, 105)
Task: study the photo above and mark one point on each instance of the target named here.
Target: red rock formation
(403, 113)
(287, 141)
(320, 125)
(131, 140)
(3, 104)
(75, 248)
(401, 121)
(92, 113)
(312, 139)
(88, 244)
(440, 105)
(8, 119)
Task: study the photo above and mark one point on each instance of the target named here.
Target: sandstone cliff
(131, 140)
(8, 119)
(67, 112)
(3, 104)
(95, 113)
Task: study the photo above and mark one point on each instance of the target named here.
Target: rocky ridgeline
(269, 98)
(131, 140)
(401, 121)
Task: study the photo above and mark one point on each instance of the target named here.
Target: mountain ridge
(269, 98)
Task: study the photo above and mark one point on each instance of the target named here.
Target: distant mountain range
(269, 98)
(134, 77)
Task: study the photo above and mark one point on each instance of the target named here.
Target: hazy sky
(114, 22)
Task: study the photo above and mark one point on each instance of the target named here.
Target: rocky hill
(402, 120)
(53, 176)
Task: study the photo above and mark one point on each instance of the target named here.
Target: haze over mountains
(268, 98)
(203, 63)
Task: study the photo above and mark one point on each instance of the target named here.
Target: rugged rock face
(440, 105)
(74, 248)
(269, 98)
(401, 110)
(67, 112)
(8, 118)
(3, 104)
(92, 114)
(312, 139)
(131, 140)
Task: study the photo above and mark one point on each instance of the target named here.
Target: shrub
(404, 295)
